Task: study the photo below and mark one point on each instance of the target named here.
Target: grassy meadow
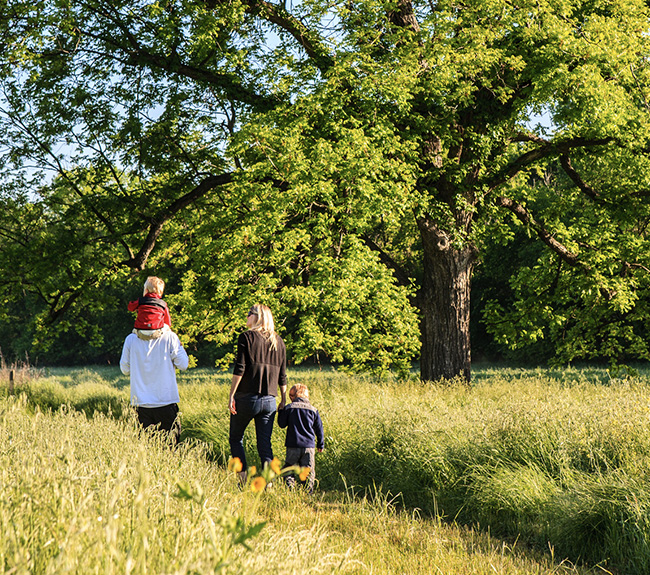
(526, 471)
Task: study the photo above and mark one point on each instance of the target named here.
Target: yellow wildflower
(304, 473)
(258, 484)
(252, 470)
(235, 465)
(275, 466)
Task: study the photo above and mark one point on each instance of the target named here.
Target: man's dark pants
(165, 418)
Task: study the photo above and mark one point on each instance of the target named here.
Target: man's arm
(125, 360)
(178, 354)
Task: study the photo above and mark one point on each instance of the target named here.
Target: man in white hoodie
(151, 365)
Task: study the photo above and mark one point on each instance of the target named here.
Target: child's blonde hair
(154, 285)
(264, 323)
(299, 390)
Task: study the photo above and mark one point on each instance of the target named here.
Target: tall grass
(556, 459)
(20, 371)
(97, 496)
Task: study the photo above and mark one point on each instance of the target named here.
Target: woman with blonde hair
(260, 370)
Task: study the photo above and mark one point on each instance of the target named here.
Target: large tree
(347, 160)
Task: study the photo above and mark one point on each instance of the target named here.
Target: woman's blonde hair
(264, 324)
(154, 285)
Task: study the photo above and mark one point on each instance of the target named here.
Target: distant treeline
(95, 334)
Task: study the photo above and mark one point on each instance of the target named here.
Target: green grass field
(527, 471)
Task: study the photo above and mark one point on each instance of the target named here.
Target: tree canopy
(348, 163)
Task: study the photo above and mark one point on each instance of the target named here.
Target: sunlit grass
(96, 496)
(538, 466)
(18, 372)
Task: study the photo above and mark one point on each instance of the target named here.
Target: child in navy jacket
(304, 433)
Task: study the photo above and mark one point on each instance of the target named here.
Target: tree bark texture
(445, 306)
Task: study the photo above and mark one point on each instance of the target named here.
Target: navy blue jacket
(303, 423)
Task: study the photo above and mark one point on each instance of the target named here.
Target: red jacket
(153, 312)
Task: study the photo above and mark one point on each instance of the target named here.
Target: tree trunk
(445, 306)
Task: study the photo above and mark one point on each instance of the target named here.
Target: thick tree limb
(276, 14)
(230, 84)
(139, 261)
(575, 177)
(545, 150)
(57, 312)
(400, 275)
(565, 255)
(525, 217)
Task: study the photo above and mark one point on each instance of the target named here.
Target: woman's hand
(233, 388)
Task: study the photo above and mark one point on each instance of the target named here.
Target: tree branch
(172, 63)
(229, 83)
(139, 261)
(401, 276)
(64, 174)
(575, 177)
(54, 312)
(545, 150)
(278, 15)
(525, 217)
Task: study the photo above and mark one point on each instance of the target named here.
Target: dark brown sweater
(262, 369)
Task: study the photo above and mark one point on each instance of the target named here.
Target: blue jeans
(262, 409)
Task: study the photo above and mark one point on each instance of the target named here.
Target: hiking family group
(152, 353)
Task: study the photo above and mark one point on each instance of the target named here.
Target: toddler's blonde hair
(154, 285)
(299, 390)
